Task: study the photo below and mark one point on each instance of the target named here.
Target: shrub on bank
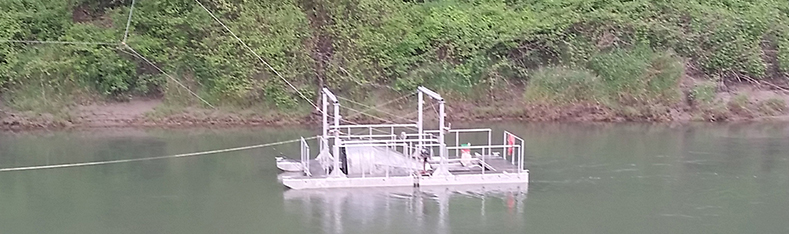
(618, 47)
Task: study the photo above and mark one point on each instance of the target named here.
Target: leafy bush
(740, 104)
(783, 54)
(702, 94)
(773, 106)
(563, 85)
(451, 45)
(638, 76)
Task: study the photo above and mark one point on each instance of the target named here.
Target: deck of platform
(497, 164)
(502, 172)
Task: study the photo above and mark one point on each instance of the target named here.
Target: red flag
(510, 141)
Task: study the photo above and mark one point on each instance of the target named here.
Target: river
(585, 178)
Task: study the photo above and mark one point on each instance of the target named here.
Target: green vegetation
(639, 76)
(628, 55)
(772, 106)
(740, 104)
(702, 94)
(637, 82)
(562, 85)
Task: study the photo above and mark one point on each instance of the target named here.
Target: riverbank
(736, 103)
(656, 61)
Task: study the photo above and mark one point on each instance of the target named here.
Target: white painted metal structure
(408, 158)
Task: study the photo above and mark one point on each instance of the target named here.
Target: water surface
(585, 178)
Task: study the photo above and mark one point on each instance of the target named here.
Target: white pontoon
(348, 160)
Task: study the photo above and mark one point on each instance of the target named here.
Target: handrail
(372, 145)
(462, 130)
(373, 135)
(305, 157)
(395, 142)
(375, 125)
(520, 149)
(391, 141)
(467, 130)
(482, 147)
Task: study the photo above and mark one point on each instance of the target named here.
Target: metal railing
(458, 132)
(490, 148)
(517, 159)
(378, 128)
(520, 142)
(305, 157)
(408, 146)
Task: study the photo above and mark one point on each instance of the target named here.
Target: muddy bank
(740, 104)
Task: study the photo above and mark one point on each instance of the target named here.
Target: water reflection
(424, 209)
(588, 179)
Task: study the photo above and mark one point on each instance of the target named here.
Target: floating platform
(499, 171)
(413, 158)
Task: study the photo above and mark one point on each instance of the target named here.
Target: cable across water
(42, 167)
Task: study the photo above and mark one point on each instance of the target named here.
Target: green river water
(585, 178)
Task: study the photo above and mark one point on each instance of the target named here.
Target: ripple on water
(680, 216)
(626, 169)
(592, 165)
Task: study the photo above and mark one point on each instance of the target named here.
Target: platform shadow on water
(425, 209)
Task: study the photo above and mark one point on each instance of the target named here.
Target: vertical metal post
(513, 157)
(442, 145)
(442, 169)
(489, 142)
(336, 172)
(419, 122)
(307, 157)
(301, 157)
(520, 165)
(457, 144)
(504, 142)
(325, 115)
(484, 166)
(318, 139)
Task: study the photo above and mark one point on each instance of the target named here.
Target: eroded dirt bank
(737, 103)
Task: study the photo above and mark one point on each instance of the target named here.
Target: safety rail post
(483, 160)
(520, 152)
(318, 139)
(442, 169)
(305, 157)
(419, 121)
(506, 150)
(520, 159)
(324, 112)
(489, 143)
(337, 141)
(521, 149)
(301, 153)
(504, 142)
(457, 143)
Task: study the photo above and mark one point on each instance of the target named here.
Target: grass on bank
(632, 82)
